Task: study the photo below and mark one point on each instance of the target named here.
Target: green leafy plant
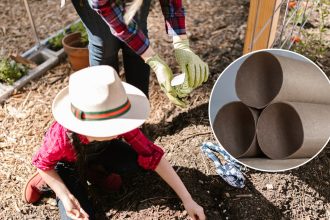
(79, 27)
(10, 70)
(298, 14)
(55, 43)
(313, 45)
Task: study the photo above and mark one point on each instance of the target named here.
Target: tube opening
(235, 128)
(279, 130)
(259, 79)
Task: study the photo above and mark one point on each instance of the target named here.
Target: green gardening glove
(183, 90)
(196, 71)
(164, 76)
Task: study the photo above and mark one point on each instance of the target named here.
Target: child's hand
(70, 203)
(73, 208)
(194, 210)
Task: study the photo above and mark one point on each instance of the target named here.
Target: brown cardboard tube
(235, 128)
(267, 164)
(265, 78)
(293, 130)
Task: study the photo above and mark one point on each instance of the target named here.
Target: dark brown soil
(216, 29)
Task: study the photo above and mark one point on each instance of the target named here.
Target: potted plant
(75, 45)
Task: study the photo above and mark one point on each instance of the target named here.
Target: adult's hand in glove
(196, 71)
(164, 76)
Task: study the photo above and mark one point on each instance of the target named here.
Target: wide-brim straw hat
(98, 104)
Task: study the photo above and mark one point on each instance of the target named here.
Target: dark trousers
(118, 158)
(104, 47)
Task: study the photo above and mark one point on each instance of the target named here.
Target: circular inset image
(270, 109)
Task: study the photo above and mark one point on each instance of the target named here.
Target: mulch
(216, 29)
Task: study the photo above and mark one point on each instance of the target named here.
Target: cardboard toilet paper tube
(293, 130)
(265, 78)
(235, 128)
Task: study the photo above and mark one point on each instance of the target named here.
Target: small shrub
(55, 43)
(10, 70)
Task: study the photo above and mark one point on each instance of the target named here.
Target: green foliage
(79, 27)
(10, 71)
(311, 46)
(314, 45)
(55, 43)
(298, 15)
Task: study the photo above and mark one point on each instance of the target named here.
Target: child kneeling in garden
(96, 130)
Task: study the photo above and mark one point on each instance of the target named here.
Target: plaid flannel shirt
(112, 12)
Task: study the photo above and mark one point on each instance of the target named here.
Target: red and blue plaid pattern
(174, 15)
(112, 12)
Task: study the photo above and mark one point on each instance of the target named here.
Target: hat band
(95, 116)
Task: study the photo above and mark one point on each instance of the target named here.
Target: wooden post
(261, 24)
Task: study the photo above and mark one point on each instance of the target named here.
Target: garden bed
(218, 37)
(43, 60)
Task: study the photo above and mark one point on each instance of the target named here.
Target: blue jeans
(119, 157)
(104, 47)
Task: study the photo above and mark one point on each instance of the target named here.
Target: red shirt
(57, 147)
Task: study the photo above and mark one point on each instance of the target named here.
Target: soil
(216, 29)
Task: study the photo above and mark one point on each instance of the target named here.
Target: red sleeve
(56, 146)
(174, 14)
(149, 154)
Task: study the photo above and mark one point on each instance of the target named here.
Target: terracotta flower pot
(77, 52)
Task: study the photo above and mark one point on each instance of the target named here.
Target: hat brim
(132, 119)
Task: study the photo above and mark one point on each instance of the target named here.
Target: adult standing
(118, 24)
